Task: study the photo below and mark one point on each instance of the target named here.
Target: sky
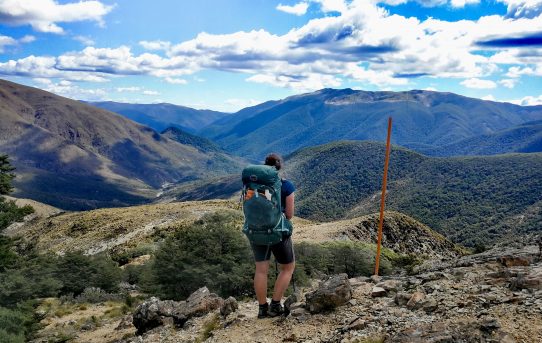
(229, 54)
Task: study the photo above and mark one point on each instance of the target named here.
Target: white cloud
(67, 89)
(175, 81)
(128, 89)
(297, 9)
(6, 41)
(43, 15)
(516, 72)
(85, 40)
(151, 92)
(489, 97)
(479, 84)
(528, 101)
(46, 67)
(523, 8)
(155, 45)
(332, 5)
(27, 39)
(508, 83)
(463, 3)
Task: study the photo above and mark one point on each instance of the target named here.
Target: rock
(378, 292)
(358, 281)
(125, 323)
(291, 338)
(357, 324)
(292, 299)
(155, 312)
(463, 331)
(299, 313)
(390, 285)
(353, 302)
(415, 301)
(334, 292)
(376, 278)
(429, 304)
(513, 261)
(202, 302)
(489, 324)
(230, 305)
(402, 298)
(88, 326)
(532, 280)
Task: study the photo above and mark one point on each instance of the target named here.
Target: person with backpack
(268, 206)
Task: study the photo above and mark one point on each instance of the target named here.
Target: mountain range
(162, 116)
(422, 120)
(76, 156)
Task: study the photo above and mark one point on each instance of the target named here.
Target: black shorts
(283, 252)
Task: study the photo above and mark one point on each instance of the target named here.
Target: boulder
(155, 312)
(229, 306)
(416, 301)
(292, 299)
(402, 298)
(334, 292)
(390, 285)
(378, 292)
(202, 302)
(532, 280)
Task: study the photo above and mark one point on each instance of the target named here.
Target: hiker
(279, 241)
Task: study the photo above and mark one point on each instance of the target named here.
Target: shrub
(211, 252)
(77, 272)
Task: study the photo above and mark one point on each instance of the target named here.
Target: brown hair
(274, 160)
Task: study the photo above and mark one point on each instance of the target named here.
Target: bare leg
(283, 280)
(260, 281)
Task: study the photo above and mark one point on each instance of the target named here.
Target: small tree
(6, 175)
(9, 211)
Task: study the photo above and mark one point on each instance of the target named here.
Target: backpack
(264, 221)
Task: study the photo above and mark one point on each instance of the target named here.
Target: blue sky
(228, 54)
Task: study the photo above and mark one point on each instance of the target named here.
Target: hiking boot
(275, 309)
(263, 311)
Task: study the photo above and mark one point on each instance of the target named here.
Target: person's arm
(289, 206)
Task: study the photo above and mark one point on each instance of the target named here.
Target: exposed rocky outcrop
(479, 298)
(331, 293)
(155, 312)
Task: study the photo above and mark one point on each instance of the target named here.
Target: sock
(263, 305)
(275, 302)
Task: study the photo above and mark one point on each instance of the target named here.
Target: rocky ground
(491, 297)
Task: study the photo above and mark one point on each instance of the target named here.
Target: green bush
(8, 258)
(10, 213)
(17, 324)
(212, 252)
(33, 278)
(76, 272)
(335, 257)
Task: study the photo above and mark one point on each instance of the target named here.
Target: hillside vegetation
(522, 138)
(472, 200)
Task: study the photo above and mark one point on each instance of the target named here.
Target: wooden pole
(383, 198)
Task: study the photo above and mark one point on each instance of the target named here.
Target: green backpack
(264, 221)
